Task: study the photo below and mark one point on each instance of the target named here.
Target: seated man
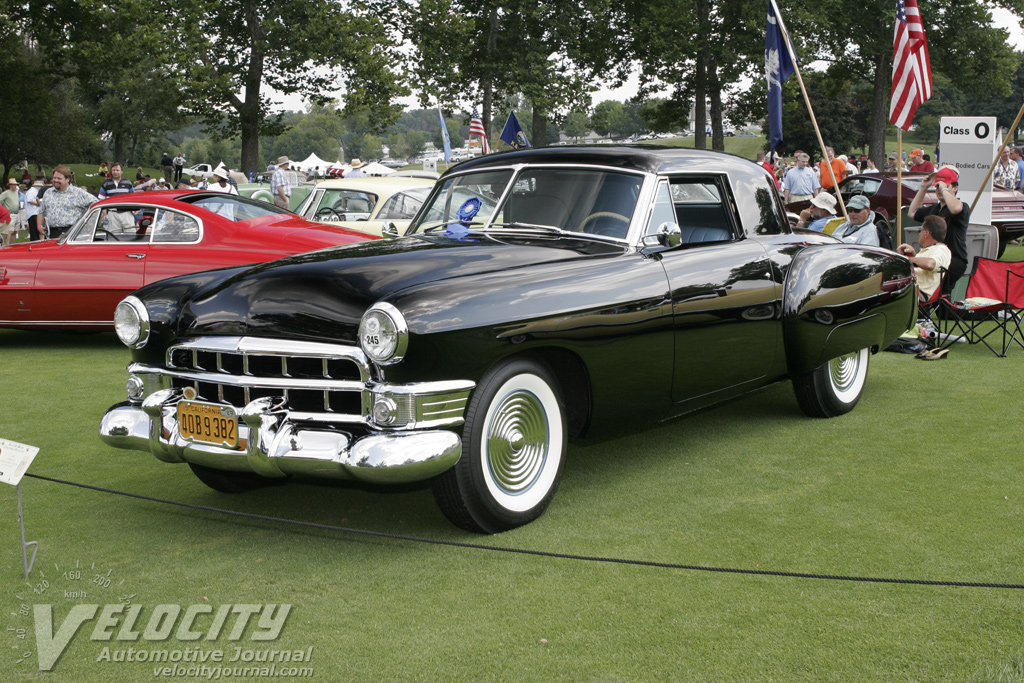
(933, 257)
(820, 212)
(860, 228)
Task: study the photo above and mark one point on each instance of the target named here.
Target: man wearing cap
(956, 213)
(821, 211)
(10, 199)
(279, 186)
(860, 229)
(357, 169)
(167, 165)
(801, 182)
(919, 163)
(1006, 173)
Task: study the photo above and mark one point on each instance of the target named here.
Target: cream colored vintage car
(365, 204)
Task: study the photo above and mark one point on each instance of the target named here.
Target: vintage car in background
(120, 244)
(365, 204)
(880, 189)
(260, 189)
(538, 296)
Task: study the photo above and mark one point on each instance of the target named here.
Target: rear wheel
(834, 387)
(229, 482)
(514, 444)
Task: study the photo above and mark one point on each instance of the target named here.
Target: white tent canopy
(373, 168)
(311, 162)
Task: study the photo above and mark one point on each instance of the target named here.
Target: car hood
(323, 294)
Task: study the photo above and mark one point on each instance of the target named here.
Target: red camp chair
(1001, 282)
(927, 306)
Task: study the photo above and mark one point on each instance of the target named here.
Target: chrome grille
(326, 381)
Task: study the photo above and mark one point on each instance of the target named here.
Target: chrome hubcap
(843, 370)
(517, 441)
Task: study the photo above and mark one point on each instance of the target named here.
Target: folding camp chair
(995, 294)
(928, 306)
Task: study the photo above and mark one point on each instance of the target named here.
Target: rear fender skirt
(842, 298)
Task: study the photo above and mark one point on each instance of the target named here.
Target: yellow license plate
(208, 423)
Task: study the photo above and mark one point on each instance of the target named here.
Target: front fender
(841, 298)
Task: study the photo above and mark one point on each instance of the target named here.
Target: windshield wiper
(443, 225)
(529, 226)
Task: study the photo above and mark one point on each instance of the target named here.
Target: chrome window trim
(630, 238)
(66, 238)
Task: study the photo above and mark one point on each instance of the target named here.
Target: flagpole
(1006, 141)
(899, 186)
(810, 109)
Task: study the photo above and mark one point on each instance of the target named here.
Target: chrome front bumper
(274, 444)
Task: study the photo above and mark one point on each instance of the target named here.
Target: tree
(576, 125)
(489, 50)
(292, 46)
(616, 119)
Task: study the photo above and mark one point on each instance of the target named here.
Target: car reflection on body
(123, 243)
(538, 295)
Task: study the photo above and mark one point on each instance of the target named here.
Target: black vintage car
(538, 296)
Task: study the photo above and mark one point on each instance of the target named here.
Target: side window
(664, 211)
(702, 210)
(759, 207)
(170, 226)
(403, 206)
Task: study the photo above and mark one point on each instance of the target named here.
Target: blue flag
(778, 66)
(513, 134)
(444, 137)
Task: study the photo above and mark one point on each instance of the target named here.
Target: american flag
(476, 127)
(911, 70)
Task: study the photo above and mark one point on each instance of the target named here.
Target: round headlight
(383, 334)
(131, 322)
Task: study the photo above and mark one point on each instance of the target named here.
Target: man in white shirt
(933, 258)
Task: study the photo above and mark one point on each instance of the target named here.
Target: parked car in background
(198, 171)
(880, 189)
(365, 204)
(120, 244)
(260, 188)
(539, 295)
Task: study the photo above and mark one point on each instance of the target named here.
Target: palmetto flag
(911, 70)
(513, 134)
(476, 127)
(445, 139)
(778, 66)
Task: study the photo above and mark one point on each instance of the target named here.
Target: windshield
(589, 200)
(231, 206)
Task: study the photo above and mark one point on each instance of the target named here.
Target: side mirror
(389, 229)
(668, 235)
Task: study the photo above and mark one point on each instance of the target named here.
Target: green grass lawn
(923, 480)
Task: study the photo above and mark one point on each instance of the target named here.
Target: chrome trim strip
(283, 383)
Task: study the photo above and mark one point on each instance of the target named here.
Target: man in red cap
(919, 163)
(956, 213)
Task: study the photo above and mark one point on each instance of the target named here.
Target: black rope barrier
(538, 553)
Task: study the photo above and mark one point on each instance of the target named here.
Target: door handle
(137, 256)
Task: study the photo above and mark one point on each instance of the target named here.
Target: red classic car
(880, 189)
(123, 243)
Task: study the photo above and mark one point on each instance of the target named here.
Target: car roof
(649, 158)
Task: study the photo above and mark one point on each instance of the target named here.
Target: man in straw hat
(10, 199)
(956, 213)
(357, 169)
(820, 212)
(279, 185)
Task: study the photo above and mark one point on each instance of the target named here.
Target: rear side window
(759, 206)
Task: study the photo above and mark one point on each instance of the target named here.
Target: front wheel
(834, 387)
(514, 443)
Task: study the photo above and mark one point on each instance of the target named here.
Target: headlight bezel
(141, 324)
(386, 316)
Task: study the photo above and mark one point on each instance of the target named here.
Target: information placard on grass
(15, 459)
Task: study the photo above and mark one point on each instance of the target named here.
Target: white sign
(14, 460)
(969, 143)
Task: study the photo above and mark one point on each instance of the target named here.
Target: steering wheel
(604, 214)
(112, 235)
(328, 214)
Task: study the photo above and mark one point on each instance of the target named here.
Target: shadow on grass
(16, 340)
